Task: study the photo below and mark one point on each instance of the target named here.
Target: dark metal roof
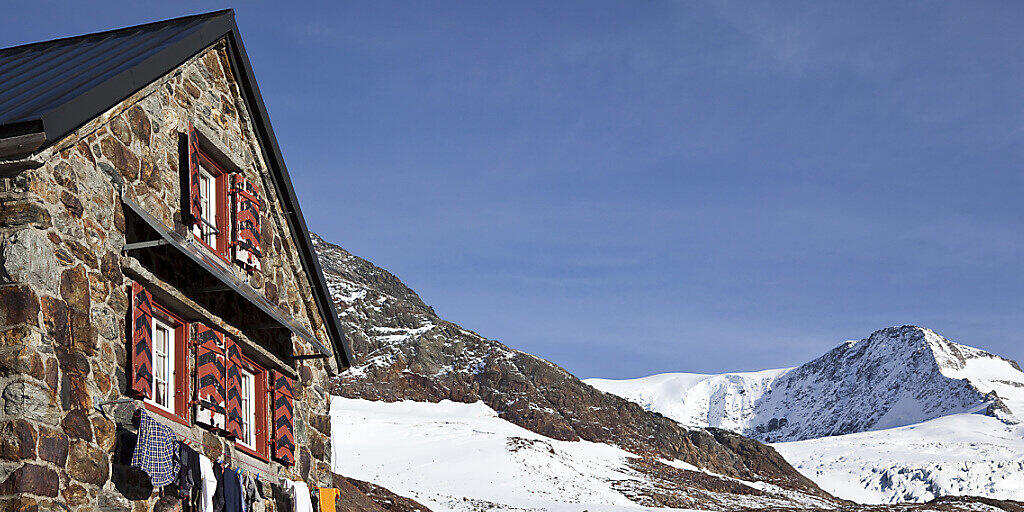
(57, 86)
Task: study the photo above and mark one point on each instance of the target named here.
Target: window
(213, 206)
(248, 393)
(163, 365)
(170, 387)
(208, 193)
(254, 395)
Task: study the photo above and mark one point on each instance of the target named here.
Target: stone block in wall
(88, 463)
(24, 213)
(53, 446)
(76, 425)
(17, 440)
(26, 399)
(31, 479)
(27, 257)
(18, 305)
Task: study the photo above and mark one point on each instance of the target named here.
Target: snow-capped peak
(896, 376)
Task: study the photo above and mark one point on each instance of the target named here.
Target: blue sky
(629, 188)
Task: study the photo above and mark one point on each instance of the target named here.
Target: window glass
(208, 204)
(248, 409)
(163, 365)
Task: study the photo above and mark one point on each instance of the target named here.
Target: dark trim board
(186, 37)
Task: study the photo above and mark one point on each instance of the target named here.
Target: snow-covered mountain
(902, 415)
(897, 376)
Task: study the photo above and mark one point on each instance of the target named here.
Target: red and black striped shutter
(234, 388)
(284, 440)
(142, 342)
(211, 373)
(247, 222)
(195, 201)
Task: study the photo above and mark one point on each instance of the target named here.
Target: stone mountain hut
(153, 258)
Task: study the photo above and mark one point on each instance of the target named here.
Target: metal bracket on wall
(142, 245)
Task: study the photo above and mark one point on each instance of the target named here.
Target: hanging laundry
(232, 491)
(252, 493)
(189, 474)
(155, 451)
(282, 496)
(328, 498)
(208, 481)
(218, 495)
(300, 494)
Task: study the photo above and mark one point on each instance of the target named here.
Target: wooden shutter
(284, 440)
(194, 200)
(211, 373)
(247, 222)
(262, 392)
(234, 388)
(142, 342)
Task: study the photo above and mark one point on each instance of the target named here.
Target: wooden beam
(21, 144)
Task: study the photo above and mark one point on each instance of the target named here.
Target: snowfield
(695, 399)
(461, 457)
(960, 454)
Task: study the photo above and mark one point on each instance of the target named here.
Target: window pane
(208, 204)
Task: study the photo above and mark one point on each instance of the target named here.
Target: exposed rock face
(404, 351)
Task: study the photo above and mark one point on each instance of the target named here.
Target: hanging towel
(208, 483)
(328, 496)
(155, 451)
(300, 493)
(232, 491)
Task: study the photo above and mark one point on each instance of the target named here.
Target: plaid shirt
(155, 451)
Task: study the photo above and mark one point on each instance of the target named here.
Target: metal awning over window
(209, 279)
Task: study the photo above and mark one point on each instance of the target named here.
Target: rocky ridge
(404, 351)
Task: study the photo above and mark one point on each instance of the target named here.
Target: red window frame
(182, 376)
(261, 413)
(223, 212)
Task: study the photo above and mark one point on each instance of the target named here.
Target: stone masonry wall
(63, 300)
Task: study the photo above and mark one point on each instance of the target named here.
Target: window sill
(165, 413)
(250, 451)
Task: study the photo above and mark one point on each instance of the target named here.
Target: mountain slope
(462, 457)
(955, 455)
(404, 351)
(897, 376)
